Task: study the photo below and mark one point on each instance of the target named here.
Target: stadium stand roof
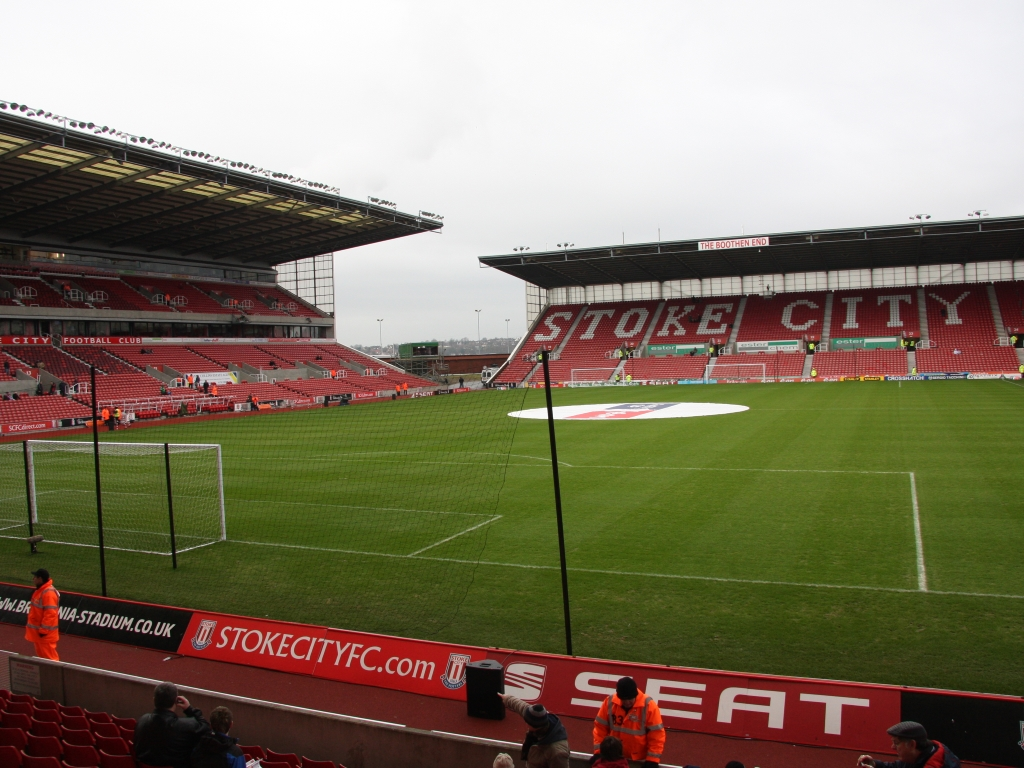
(953, 242)
(89, 191)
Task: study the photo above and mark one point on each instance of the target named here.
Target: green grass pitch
(777, 540)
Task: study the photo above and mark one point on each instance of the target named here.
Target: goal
(736, 371)
(592, 374)
(52, 483)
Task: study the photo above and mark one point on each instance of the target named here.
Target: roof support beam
(72, 197)
(177, 209)
(89, 161)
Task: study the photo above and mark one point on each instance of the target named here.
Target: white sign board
(25, 678)
(739, 242)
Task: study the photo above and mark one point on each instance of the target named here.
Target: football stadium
(356, 558)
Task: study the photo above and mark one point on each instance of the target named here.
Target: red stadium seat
(116, 746)
(28, 761)
(45, 704)
(13, 737)
(20, 708)
(307, 763)
(127, 735)
(283, 757)
(5, 694)
(109, 730)
(42, 728)
(253, 752)
(43, 746)
(271, 764)
(8, 720)
(81, 757)
(46, 716)
(116, 761)
(22, 697)
(75, 722)
(71, 710)
(81, 738)
(98, 717)
(124, 722)
(10, 757)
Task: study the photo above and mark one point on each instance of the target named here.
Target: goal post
(57, 494)
(736, 371)
(591, 374)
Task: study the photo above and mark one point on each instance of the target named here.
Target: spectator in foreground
(734, 764)
(634, 717)
(217, 749)
(167, 735)
(610, 755)
(913, 750)
(503, 760)
(546, 744)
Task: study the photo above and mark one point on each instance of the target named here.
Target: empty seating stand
(250, 354)
(666, 368)
(42, 408)
(547, 334)
(875, 313)
(783, 316)
(962, 332)
(104, 361)
(178, 357)
(53, 360)
(861, 362)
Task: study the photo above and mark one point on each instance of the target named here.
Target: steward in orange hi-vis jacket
(43, 615)
(634, 718)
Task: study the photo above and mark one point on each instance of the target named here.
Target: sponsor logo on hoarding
(13, 428)
(739, 242)
(455, 673)
(204, 635)
(525, 681)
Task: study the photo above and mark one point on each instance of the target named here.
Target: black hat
(626, 688)
(536, 716)
(42, 573)
(908, 729)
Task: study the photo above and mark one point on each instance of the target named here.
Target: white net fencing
(740, 371)
(53, 482)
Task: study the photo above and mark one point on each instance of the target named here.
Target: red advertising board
(101, 340)
(793, 710)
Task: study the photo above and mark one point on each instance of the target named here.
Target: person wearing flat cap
(43, 615)
(913, 750)
(632, 717)
(546, 744)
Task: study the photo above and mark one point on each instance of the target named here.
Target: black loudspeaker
(484, 681)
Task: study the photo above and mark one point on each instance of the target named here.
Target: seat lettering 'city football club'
(204, 634)
(455, 673)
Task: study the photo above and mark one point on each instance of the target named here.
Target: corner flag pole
(96, 462)
(558, 503)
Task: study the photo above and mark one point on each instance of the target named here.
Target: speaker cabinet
(484, 681)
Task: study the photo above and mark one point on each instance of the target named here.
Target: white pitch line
(675, 576)
(922, 575)
(494, 519)
(352, 506)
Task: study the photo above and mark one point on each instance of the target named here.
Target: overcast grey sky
(529, 123)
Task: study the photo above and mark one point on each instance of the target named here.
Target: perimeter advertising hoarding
(821, 713)
(880, 342)
(99, 618)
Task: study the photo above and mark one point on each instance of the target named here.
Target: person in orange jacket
(634, 718)
(43, 615)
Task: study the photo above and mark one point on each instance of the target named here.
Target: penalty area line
(922, 575)
(675, 576)
(494, 519)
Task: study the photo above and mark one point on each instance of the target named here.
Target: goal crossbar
(742, 371)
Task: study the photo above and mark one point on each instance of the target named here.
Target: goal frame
(574, 371)
(157, 449)
(715, 369)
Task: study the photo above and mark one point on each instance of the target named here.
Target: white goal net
(737, 371)
(592, 374)
(53, 484)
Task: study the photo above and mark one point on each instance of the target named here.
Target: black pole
(28, 489)
(558, 504)
(96, 462)
(170, 504)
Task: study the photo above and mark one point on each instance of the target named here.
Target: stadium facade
(940, 298)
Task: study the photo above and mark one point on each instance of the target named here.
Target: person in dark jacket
(168, 734)
(546, 744)
(913, 750)
(217, 749)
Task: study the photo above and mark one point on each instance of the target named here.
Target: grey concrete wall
(354, 742)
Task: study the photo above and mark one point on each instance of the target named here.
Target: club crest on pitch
(454, 676)
(204, 634)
